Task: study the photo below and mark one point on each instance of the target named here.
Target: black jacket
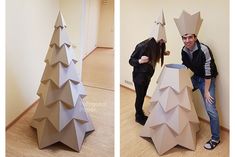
(143, 72)
(198, 62)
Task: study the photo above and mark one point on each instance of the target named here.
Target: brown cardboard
(50, 93)
(72, 135)
(164, 139)
(188, 24)
(60, 74)
(60, 22)
(180, 75)
(184, 99)
(173, 119)
(60, 115)
(158, 31)
(161, 19)
(64, 55)
(60, 37)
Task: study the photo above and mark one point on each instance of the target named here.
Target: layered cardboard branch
(60, 74)
(65, 55)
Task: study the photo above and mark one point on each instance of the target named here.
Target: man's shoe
(211, 144)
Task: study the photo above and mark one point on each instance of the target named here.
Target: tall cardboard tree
(173, 119)
(60, 115)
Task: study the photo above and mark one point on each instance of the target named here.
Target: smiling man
(199, 59)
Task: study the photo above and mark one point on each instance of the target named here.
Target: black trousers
(140, 90)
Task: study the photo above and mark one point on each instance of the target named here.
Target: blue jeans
(199, 83)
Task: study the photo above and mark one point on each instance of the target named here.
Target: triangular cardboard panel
(64, 55)
(60, 74)
(72, 135)
(176, 118)
(188, 138)
(185, 98)
(68, 93)
(156, 96)
(166, 102)
(154, 99)
(81, 90)
(60, 37)
(60, 21)
(163, 139)
(173, 119)
(158, 31)
(192, 116)
(169, 98)
(59, 115)
(154, 119)
(180, 75)
(161, 19)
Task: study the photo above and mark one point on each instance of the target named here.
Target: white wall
(137, 19)
(106, 27)
(82, 18)
(72, 12)
(29, 27)
(92, 16)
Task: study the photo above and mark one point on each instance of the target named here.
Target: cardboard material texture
(180, 74)
(184, 99)
(188, 24)
(60, 37)
(72, 135)
(60, 22)
(65, 55)
(173, 119)
(59, 74)
(161, 19)
(68, 93)
(60, 115)
(158, 31)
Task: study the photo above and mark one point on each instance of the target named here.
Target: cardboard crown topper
(188, 24)
(158, 31)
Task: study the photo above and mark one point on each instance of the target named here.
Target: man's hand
(144, 59)
(208, 97)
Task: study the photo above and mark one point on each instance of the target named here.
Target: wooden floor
(101, 69)
(21, 139)
(132, 145)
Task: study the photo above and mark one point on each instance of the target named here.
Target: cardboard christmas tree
(60, 115)
(173, 119)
